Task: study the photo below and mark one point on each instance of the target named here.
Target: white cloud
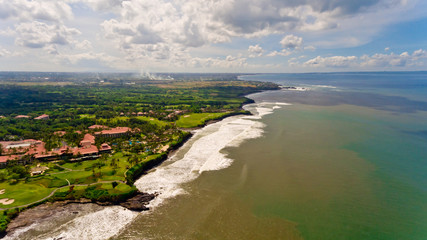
(310, 48)
(182, 33)
(38, 35)
(142, 27)
(375, 61)
(4, 52)
(335, 61)
(283, 52)
(27, 10)
(291, 41)
(394, 60)
(100, 5)
(255, 51)
(290, 44)
(229, 62)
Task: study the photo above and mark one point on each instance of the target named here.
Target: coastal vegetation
(155, 113)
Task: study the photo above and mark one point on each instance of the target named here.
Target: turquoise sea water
(347, 160)
(380, 120)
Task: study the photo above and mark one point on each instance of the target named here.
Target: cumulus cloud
(255, 51)
(290, 44)
(27, 10)
(375, 61)
(291, 41)
(394, 60)
(4, 52)
(335, 61)
(141, 25)
(38, 34)
(229, 62)
(310, 48)
(167, 31)
(283, 52)
(100, 5)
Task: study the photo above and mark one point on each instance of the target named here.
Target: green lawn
(23, 193)
(197, 119)
(87, 116)
(38, 187)
(148, 119)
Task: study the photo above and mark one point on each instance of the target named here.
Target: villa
(42, 117)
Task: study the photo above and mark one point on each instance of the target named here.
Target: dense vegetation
(164, 107)
(75, 107)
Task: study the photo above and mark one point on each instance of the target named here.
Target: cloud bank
(167, 34)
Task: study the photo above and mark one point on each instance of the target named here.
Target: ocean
(341, 156)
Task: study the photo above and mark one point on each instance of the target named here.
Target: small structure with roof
(98, 127)
(114, 132)
(22, 116)
(42, 117)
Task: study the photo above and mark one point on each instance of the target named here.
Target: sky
(238, 36)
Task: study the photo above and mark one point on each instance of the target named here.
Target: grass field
(86, 172)
(148, 119)
(23, 193)
(197, 119)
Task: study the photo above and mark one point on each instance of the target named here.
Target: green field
(152, 120)
(197, 119)
(33, 189)
(73, 108)
(23, 193)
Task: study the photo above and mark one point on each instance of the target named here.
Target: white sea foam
(204, 154)
(98, 225)
(101, 224)
(17, 233)
(324, 86)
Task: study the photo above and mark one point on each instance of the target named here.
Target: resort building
(22, 116)
(98, 127)
(114, 132)
(42, 117)
(88, 140)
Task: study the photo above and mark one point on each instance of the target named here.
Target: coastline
(19, 223)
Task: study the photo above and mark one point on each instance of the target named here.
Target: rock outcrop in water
(138, 202)
(69, 208)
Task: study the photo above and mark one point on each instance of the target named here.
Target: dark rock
(138, 202)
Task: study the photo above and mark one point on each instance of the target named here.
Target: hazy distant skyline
(213, 35)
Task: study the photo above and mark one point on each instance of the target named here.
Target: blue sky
(213, 35)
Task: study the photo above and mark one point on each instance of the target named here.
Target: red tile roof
(88, 138)
(83, 151)
(43, 116)
(60, 133)
(4, 159)
(117, 130)
(22, 116)
(105, 147)
(98, 126)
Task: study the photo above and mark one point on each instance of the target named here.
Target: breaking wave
(97, 225)
(204, 153)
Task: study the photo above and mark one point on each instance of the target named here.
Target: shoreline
(18, 223)
(46, 208)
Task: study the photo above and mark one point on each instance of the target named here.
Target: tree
(1, 149)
